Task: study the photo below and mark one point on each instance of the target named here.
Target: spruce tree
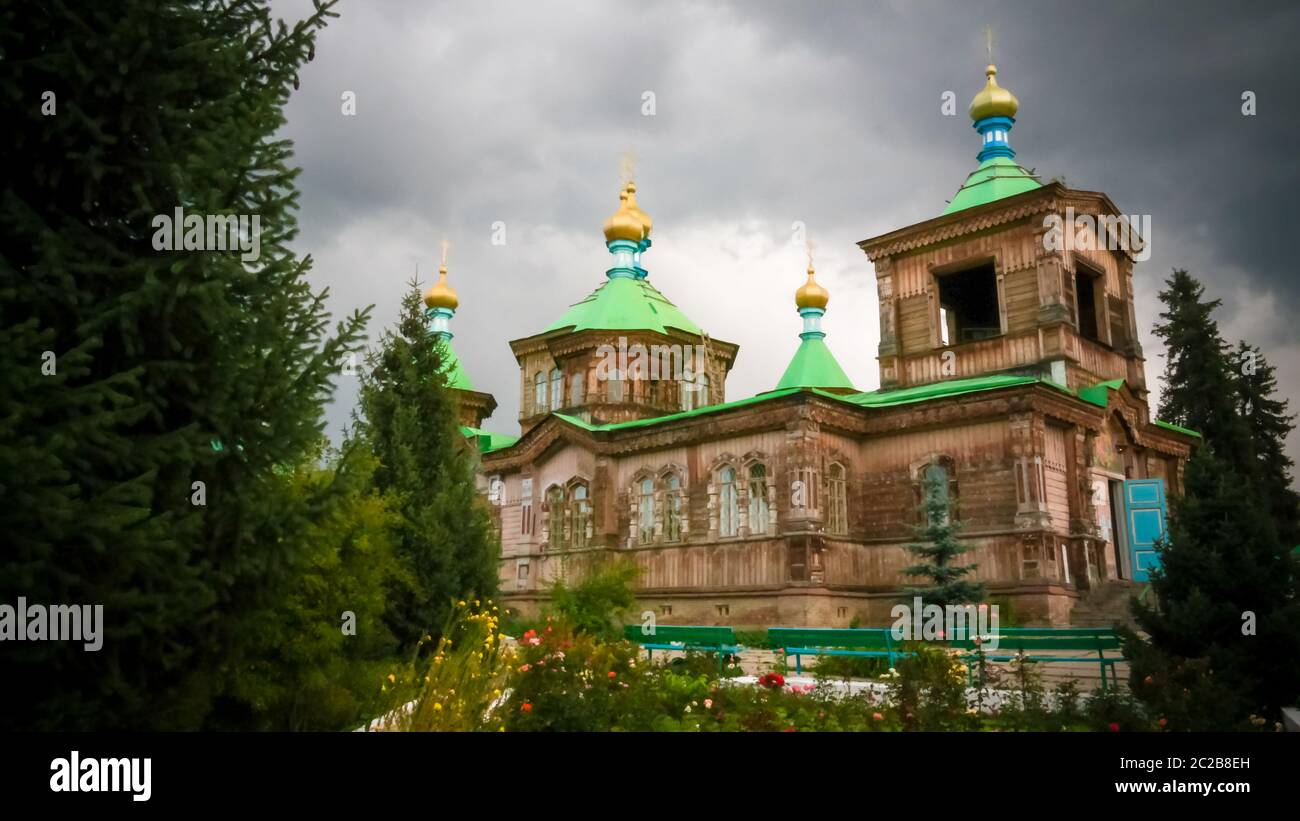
(1225, 617)
(1223, 622)
(147, 396)
(408, 417)
(1199, 391)
(937, 548)
(1270, 425)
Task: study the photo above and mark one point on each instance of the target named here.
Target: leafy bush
(600, 602)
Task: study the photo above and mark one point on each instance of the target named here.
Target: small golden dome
(810, 294)
(993, 100)
(646, 222)
(624, 224)
(441, 295)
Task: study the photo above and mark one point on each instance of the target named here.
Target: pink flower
(708, 702)
(1114, 726)
(525, 668)
(877, 717)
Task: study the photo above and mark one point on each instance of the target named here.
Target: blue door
(1144, 513)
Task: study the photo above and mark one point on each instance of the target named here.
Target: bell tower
(1015, 276)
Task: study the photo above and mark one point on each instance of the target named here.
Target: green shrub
(600, 602)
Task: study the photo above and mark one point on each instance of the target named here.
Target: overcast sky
(469, 113)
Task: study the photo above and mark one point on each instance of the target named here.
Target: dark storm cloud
(829, 113)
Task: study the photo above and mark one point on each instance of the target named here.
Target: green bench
(1029, 642)
(870, 642)
(681, 637)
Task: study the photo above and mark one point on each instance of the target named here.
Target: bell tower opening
(1086, 285)
(968, 305)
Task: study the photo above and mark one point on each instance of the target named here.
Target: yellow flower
(460, 603)
(391, 678)
(437, 708)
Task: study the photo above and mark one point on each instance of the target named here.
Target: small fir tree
(937, 549)
(408, 418)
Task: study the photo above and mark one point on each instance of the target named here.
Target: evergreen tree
(408, 417)
(147, 396)
(1226, 617)
(315, 657)
(1199, 391)
(1223, 621)
(937, 548)
(1270, 425)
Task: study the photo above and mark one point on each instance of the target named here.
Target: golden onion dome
(810, 294)
(624, 224)
(993, 100)
(646, 222)
(441, 295)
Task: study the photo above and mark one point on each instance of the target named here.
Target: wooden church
(1010, 372)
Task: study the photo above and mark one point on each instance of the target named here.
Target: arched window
(580, 515)
(687, 391)
(757, 499)
(672, 508)
(728, 510)
(837, 522)
(575, 390)
(646, 512)
(557, 389)
(539, 392)
(936, 479)
(555, 518)
(702, 388)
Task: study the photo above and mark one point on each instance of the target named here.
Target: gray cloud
(829, 113)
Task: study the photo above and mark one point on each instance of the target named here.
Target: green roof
(487, 440)
(1179, 428)
(625, 304)
(938, 390)
(655, 420)
(869, 399)
(1097, 395)
(456, 376)
(814, 366)
(996, 178)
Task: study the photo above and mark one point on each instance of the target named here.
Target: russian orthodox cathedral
(1011, 376)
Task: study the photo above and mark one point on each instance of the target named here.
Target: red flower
(612, 674)
(1114, 726)
(526, 707)
(1163, 722)
(772, 680)
(788, 730)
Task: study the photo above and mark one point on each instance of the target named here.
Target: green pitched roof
(996, 178)
(487, 440)
(814, 366)
(625, 304)
(655, 420)
(867, 399)
(1098, 395)
(939, 390)
(456, 376)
